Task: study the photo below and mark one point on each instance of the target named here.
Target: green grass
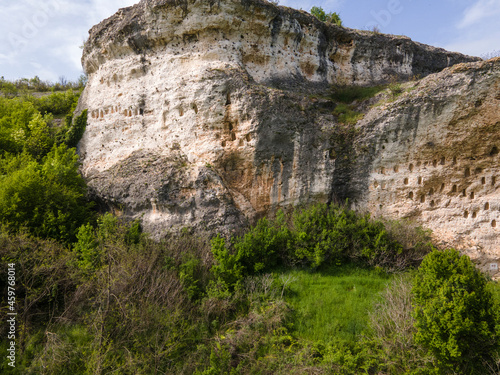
(333, 305)
(346, 115)
(348, 94)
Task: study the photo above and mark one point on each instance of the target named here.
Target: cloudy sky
(44, 37)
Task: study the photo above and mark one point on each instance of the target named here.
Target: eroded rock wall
(210, 113)
(433, 156)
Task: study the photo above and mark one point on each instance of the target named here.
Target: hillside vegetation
(319, 290)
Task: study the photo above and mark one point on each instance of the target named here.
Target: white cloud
(6, 59)
(42, 71)
(104, 9)
(477, 32)
(479, 12)
(43, 37)
(476, 45)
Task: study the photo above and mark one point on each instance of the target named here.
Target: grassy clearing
(333, 305)
(346, 115)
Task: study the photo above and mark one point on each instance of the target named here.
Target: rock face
(210, 113)
(433, 155)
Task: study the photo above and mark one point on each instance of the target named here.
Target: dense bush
(15, 117)
(332, 234)
(27, 123)
(47, 198)
(319, 236)
(260, 249)
(41, 190)
(454, 313)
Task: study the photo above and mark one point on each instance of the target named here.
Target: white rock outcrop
(209, 113)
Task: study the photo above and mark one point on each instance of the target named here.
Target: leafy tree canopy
(454, 313)
(47, 198)
(331, 17)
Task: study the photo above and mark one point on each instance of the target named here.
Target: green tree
(15, 117)
(321, 15)
(9, 89)
(39, 140)
(47, 198)
(86, 248)
(454, 313)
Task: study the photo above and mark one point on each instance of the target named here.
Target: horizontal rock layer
(269, 42)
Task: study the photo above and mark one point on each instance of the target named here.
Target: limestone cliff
(209, 113)
(433, 155)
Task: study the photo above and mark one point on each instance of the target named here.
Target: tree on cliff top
(321, 15)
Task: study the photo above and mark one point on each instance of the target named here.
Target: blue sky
(42, 37)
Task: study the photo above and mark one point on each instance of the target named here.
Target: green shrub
(263, 246)
(396, 89)
(47, 198)
(260, 249)
(346, 115)
(320, 14)
(86, 248)
(108, 227)
(15, 117)
(220, 362)
(76, 130)
(227, 270)
(454, 313)
(9, 89)
(38, 140)
(318, 235)
(188, 275)
(59, 103)
(321, 235)
(134, 233)
(333, 234)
